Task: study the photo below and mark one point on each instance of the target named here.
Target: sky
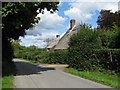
(58, 23)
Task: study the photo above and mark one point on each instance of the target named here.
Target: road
(31, 75)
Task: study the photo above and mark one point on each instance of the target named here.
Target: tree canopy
(20, 16)
(107, 19)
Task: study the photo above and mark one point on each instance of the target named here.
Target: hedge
(92, 50)
(81, 48)
(57, 57)
(109, 58)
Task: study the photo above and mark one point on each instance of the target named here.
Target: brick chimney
(57, 36)
(72, 23)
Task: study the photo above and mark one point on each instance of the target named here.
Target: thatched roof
(53, 43)
(64, 41)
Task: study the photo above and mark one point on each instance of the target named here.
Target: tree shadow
(28, 68)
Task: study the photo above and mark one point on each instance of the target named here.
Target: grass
(7, 81)
(96, 76)
(8, 71)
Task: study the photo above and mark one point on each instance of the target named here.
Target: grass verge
(8, 71)
(7, 81)
(96, 76)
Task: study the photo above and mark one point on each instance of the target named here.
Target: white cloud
(42, 36)
(38, 43)
(77, 14)
(37, 40)
(49, 21)
(33, 32)
(81, 11)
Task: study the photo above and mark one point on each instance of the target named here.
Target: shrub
(89, 50)
(81, 47)
(117, 40)
(43, 57)
(57, 57)
(109, 58)
(108, 38)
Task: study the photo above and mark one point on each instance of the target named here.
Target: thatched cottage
(62, 43)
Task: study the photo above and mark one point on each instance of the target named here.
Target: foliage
(39, 55)
(7, 82)
(108, 38)
(57, 57)
(16, 18)
(30, 53)
(109, 58)
(20, 16)
(81, 46)
(92, 50)
(96, 76)
(107, 19)
(117, 39)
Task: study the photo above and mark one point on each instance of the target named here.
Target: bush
(39, 55)
(43, 57)
(57, 57)
(89, 50)
(117, 40)
(108, 38)
(109, 58)
(81, 48)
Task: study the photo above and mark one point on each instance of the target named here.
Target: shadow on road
(28, 68)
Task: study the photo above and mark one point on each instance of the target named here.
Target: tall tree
(107, 19)
(18, 17)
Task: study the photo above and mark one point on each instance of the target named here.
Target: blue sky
(51, 25)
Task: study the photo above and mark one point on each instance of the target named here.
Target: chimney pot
(72, 23)
(57, 36)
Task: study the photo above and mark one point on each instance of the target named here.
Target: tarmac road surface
(30, 75)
